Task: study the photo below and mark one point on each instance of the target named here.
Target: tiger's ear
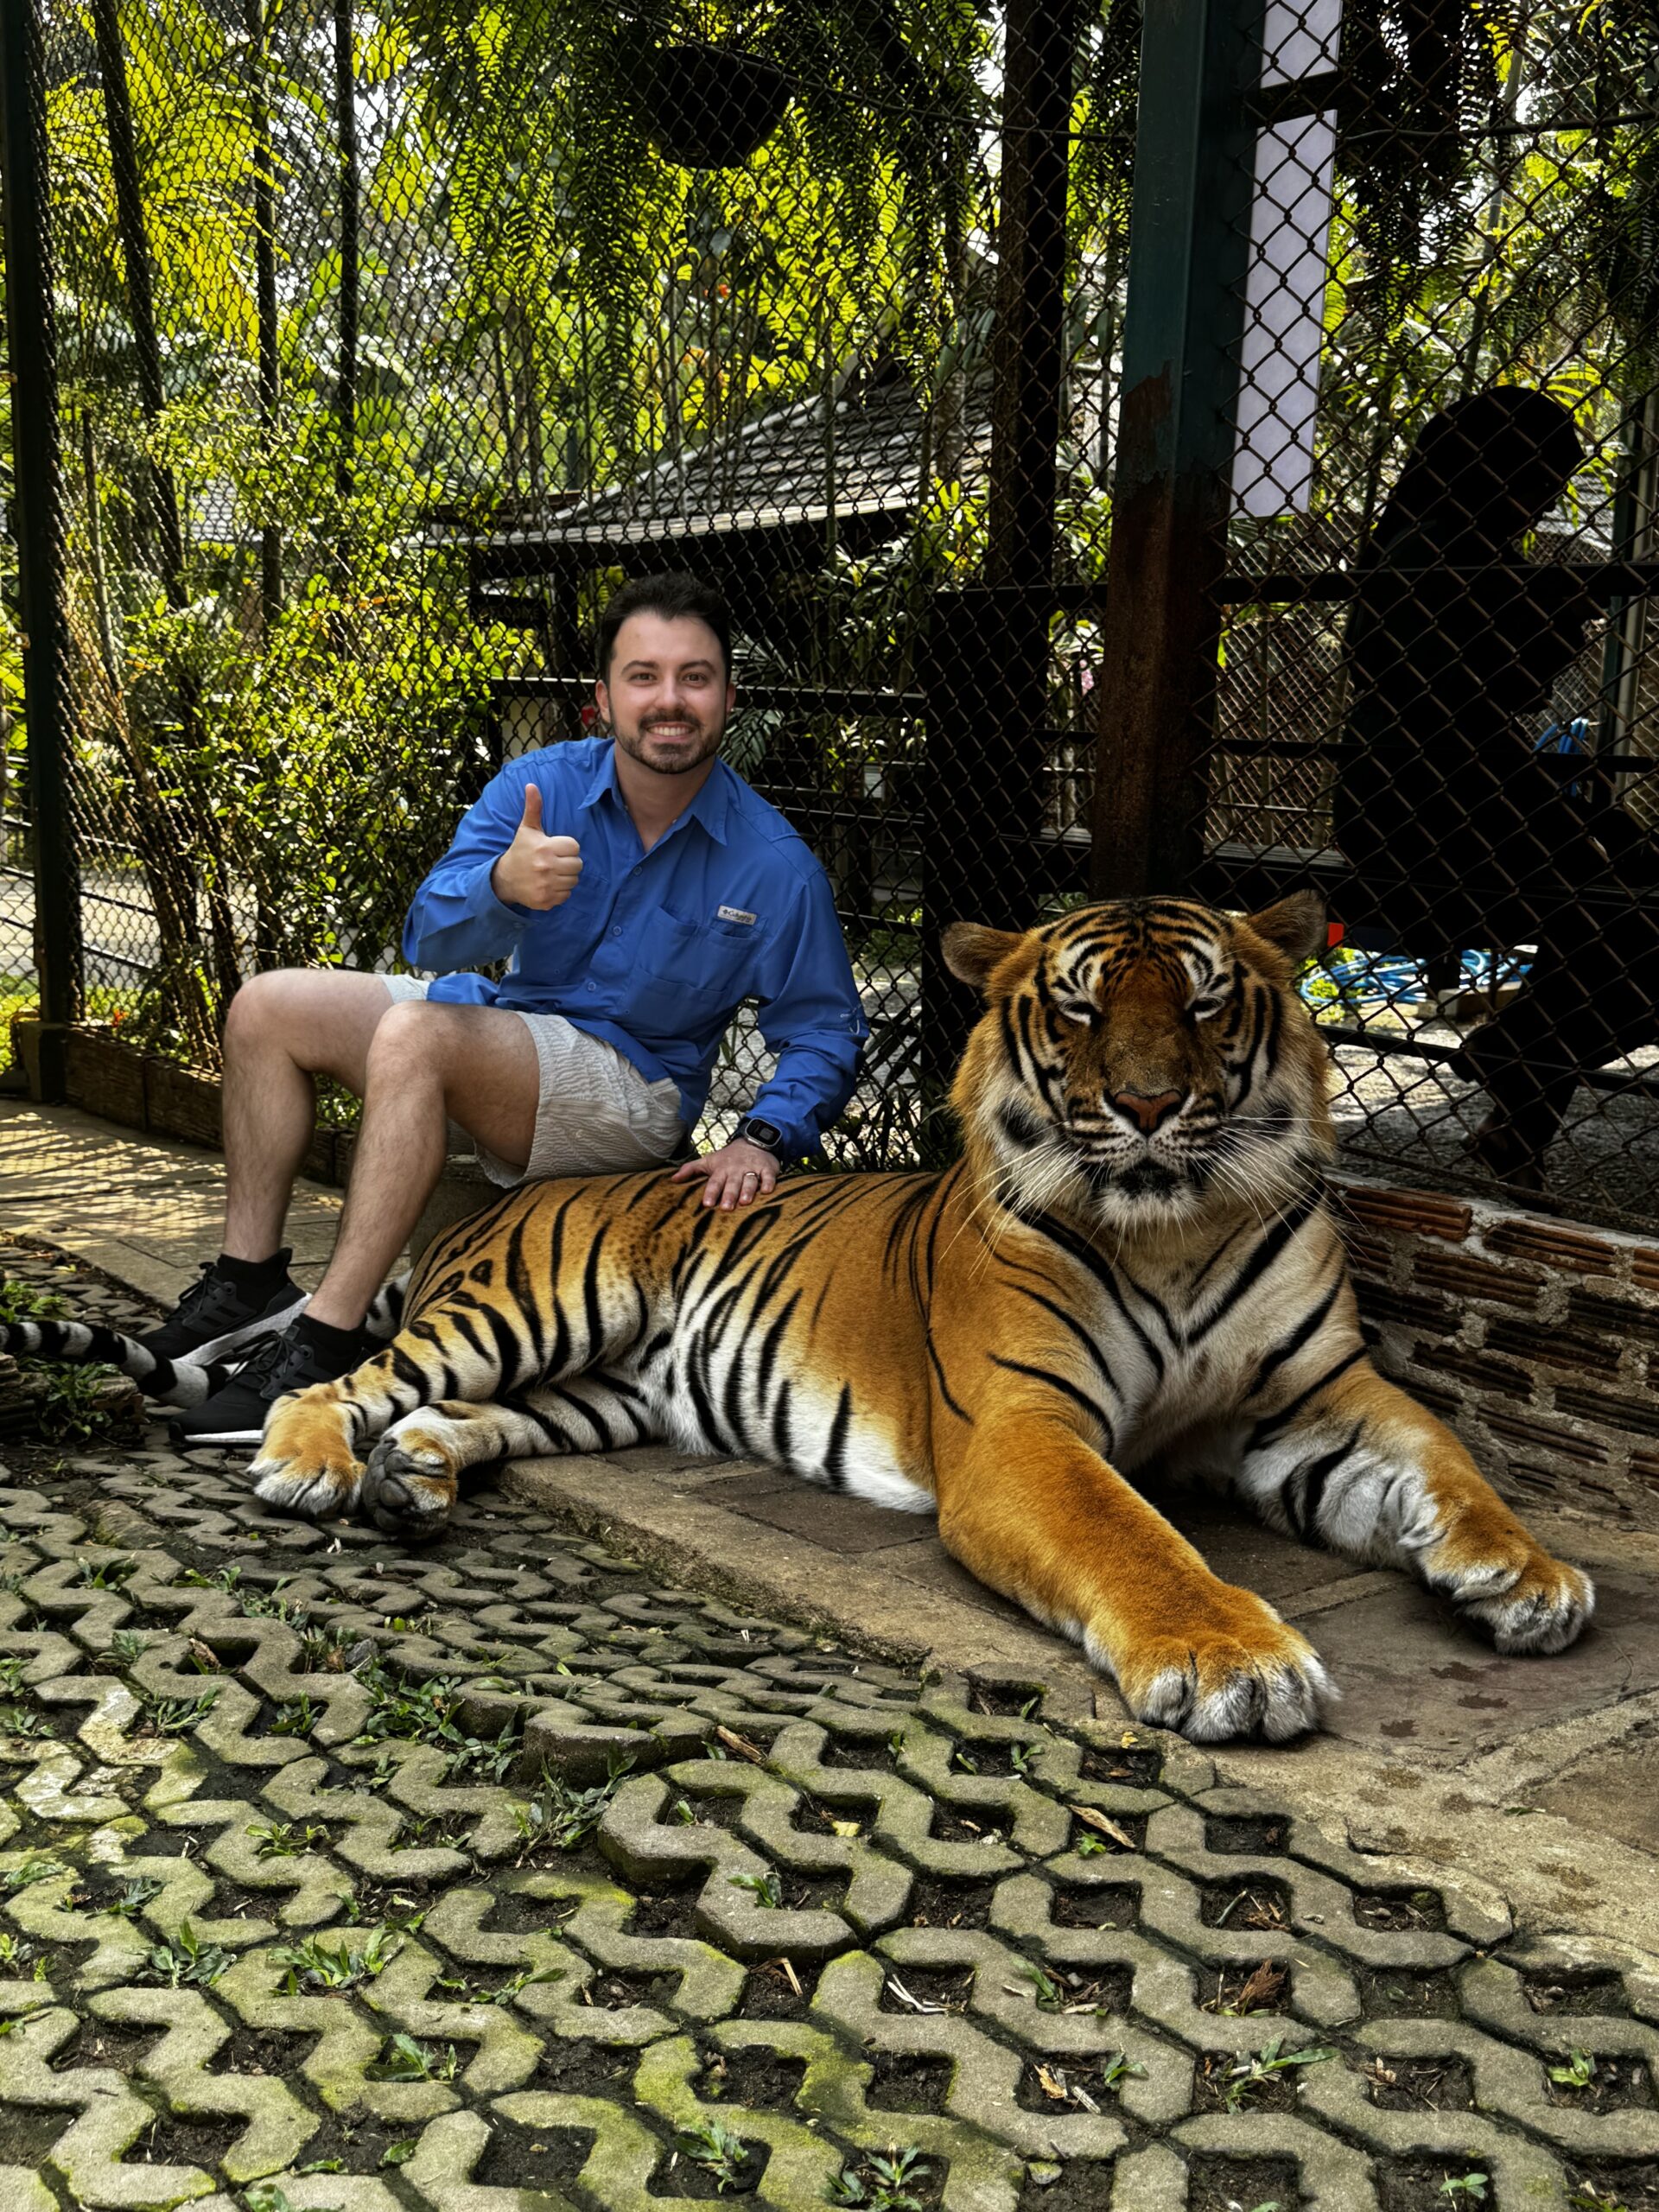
(974, 954)
(1297, 925)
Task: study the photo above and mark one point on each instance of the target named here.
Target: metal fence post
(37, 523)
(1188, 255)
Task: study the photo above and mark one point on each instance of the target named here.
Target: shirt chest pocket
(687, 970)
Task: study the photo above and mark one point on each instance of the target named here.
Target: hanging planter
(710, 107)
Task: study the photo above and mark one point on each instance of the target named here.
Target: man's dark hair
(673, 593)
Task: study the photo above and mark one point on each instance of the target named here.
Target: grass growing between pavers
(498, 1867)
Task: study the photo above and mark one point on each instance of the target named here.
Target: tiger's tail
(168, 1381)
(385, 1317)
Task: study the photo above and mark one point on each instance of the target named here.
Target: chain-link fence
(390, 336)
(1437, 690)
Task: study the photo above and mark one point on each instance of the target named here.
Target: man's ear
(974, 953)
(1297, 925)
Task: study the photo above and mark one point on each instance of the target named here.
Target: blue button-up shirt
(654, 951)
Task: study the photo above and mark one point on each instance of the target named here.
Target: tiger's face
(1147, 1062)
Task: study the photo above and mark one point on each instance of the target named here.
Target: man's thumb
(532, 807)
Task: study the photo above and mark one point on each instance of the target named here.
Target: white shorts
(596, 1113)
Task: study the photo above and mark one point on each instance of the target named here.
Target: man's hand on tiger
(737, 1174)
(535, 870)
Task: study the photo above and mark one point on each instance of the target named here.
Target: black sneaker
(215, 1315)
(235, 1412)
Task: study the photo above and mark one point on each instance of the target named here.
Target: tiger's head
(1146, 1063)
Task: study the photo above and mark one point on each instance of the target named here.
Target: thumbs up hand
(535, 870)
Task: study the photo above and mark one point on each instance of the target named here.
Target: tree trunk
(201, 830)
(350, 244)
(265, 280)
(141, 296)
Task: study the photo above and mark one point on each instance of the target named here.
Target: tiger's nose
(1149, 1112)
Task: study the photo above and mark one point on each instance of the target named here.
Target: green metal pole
(37, 522)
(1189, 233)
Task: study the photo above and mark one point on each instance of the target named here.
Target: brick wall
(1537, 1340)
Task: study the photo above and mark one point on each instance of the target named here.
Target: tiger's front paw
(1525, 1601)
(1232, 1669)
(306, 1464)
(410, 1488)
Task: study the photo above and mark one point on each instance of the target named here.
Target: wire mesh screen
(395, 336)
(1438, 683)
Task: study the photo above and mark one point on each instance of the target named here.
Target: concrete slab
(1465, 1698)
(1614, 1791)
(146, 1209)
(841, 1525)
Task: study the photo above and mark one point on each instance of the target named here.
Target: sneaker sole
(188, 1443)
(267, 1324)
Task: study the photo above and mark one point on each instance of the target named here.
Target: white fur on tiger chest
(1169, 1388)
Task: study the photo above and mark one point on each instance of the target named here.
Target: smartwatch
(767, 1135)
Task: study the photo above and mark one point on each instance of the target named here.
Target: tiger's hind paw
(1543, 1609)
(407, 1491)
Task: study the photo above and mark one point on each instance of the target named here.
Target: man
(641, 892)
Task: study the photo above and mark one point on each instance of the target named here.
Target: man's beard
(672, 760)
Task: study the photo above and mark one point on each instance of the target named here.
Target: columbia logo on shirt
(733, 914)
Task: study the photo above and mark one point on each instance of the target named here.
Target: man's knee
(412, 1035)
(267, 1002)
(323, 1018)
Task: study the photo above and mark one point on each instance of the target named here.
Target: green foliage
(425, 1712)
(187, 1961)
(25, 1876)
(405, 2059)
(712, 2145)
(884, 2181)
(559, 1817)
(1253, 2070)
(283, 1840)
(21, 1301)
(134, 1895)
(314, 1964)
(173, 1716)
(765, 1889)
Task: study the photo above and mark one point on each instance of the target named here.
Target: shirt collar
(709, 808)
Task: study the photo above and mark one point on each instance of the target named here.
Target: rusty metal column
(1188, 235)
(987, 656)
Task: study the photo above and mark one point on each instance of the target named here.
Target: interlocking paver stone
(498, 1878)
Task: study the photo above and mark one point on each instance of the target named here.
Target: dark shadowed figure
(1462, 832)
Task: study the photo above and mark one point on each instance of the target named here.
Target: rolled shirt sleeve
(810, 1016)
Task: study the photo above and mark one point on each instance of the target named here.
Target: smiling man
(640, 892)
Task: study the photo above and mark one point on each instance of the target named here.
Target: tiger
(1131, 1266)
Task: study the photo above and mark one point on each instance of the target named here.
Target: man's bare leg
(284, 1030)
(425, 1064)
